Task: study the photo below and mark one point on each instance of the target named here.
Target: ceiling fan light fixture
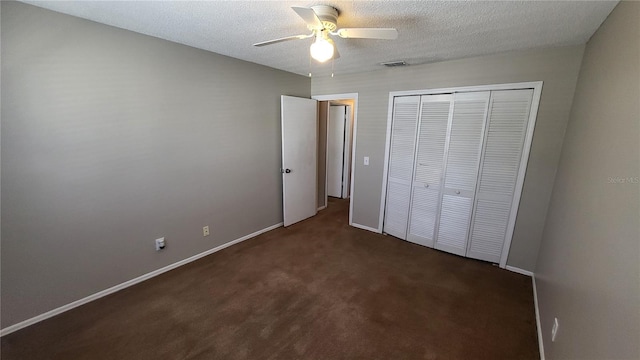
(322, 21)
(321, 49)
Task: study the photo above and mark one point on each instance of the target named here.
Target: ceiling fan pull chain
(333, 60)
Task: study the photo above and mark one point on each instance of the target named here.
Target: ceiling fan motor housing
(328, 15)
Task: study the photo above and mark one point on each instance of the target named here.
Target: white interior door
(401, 159)
(427, 180)
(299, 158)
(335, 150)
(509, 112)
(464, 147)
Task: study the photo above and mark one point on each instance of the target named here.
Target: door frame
(326, 146)
(346, 133)
(346, 172)
(533, 114)
(348, 139)
(354, 98)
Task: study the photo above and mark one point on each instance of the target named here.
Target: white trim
(331, 97)
(385, 171)
(354, 97)
(519, 271)
(366, 228)
(537, 92)
(126, 284)
(524, 160)
(489, 87)
(284, 207)
(538, 324)
(353, 157)
(535, 304)
(346, 155)
(322, 207)
(326, 153)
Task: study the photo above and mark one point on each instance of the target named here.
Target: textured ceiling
(428, 30)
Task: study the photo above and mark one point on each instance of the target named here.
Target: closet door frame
(535, 102)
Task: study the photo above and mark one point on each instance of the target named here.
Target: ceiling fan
(322, 21)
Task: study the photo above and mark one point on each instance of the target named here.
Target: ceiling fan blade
(309, 16)
(368, 33)
(275, 41)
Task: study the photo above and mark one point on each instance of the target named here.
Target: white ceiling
(428, 30)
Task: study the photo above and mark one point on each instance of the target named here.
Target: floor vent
(394, 63)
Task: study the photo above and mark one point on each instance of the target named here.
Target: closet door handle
(458, 192)
(426, 185)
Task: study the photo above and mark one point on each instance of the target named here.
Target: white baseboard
(535, 303)
(126, 284)
(322, 207)
(365, 227)
(519, 271)
(538, 325)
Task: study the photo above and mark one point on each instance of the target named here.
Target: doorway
(337, 115)
(338, 151)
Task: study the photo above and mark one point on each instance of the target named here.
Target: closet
(455, 169)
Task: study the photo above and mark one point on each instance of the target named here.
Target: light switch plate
(366, 160)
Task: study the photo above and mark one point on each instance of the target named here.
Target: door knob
(426, 185)
(287, 170)
(458, 192)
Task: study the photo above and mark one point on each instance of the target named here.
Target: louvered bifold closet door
(461, 170)
(508, 118)
(425, 200)
(401, 159)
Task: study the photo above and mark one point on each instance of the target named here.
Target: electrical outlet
(554, 330)
(205, 231)
(160, 244)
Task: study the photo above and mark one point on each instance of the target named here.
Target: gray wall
(558, 68)
(111, 139)
(588, 273)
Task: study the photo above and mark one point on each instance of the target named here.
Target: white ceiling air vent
(394, 63)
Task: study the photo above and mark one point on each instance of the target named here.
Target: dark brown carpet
(316, 290)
